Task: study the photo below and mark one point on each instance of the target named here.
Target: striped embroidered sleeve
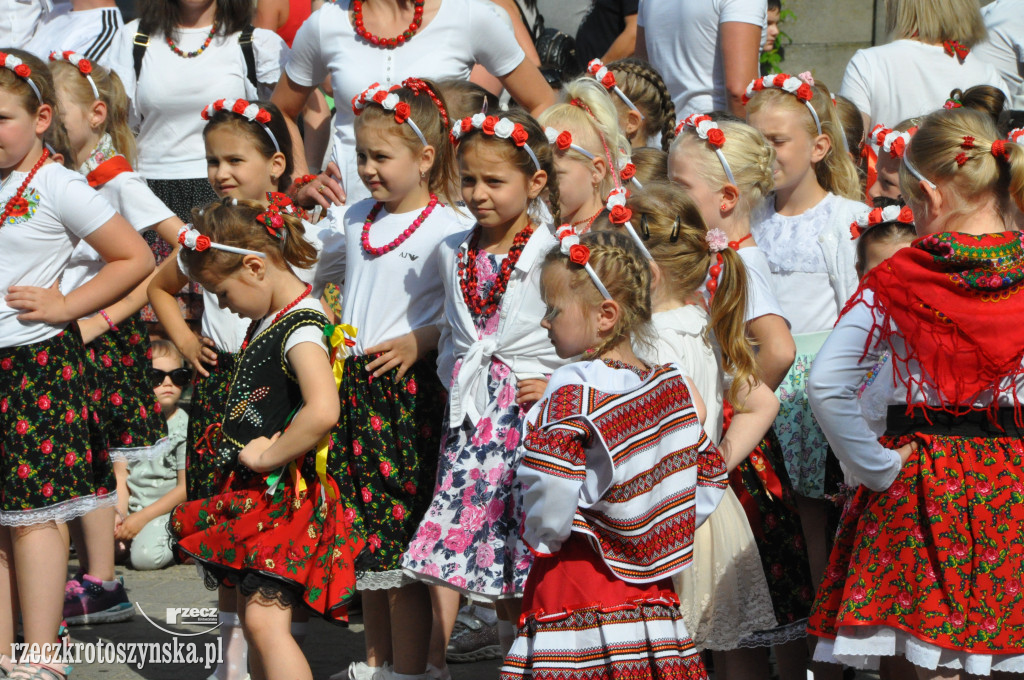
(552, 474)
(712, 477)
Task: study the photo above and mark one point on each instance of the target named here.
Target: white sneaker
(360, 670)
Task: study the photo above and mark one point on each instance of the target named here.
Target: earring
(724, 207)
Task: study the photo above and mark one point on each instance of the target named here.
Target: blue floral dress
(469, 538)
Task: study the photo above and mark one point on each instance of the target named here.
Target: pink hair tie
(807, 78)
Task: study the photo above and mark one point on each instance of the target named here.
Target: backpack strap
(249, 52)
(139, 45)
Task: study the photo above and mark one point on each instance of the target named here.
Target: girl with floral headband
(650, 116)
(805, 234)
(595, 604)
(927, 563)
(495, 359)
(891, 144)
(385, 254)
(711, 346)
(589, 150)
(277, 529)
(49, 472)
(95, 113)
(247, 156)
(729, 177)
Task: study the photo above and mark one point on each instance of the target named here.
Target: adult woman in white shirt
(450, 36)
(929, 56)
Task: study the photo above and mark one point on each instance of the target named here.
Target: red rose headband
(389, 101)
(562, 140)
(271, 219)
(249, 111)
(895, 143)
(502, 128)
(890, 213)
(83, 65)
(20, 69)
(597, 69)
(569, 243)
(791, 84)
(619, 214)
(708, 130)
(193, 240)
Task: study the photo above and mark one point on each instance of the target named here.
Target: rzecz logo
(191, 615)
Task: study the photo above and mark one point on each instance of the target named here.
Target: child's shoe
(88, 601)
(473, 639)
(360, 670)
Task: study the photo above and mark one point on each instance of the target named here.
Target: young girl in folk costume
(94, 109)
(806, 238)
(278, 530)
(725, 596)
(589, 149)
(248, 151)
(892, 143)
(392, 401)
(613, 439)
(49, 473)
(729, 176)
(927, 563)
(467, 541)
(647, 115)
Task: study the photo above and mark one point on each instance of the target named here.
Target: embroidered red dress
(618, 473)
(290, 544)
(929, 560)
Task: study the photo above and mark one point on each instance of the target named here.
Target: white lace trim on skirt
(59, 512)
(130, 455)
(382, 580)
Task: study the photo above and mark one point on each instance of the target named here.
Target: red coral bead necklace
(16, 204)
(486, 306)
(277, 317)
(357, 22)
(409, 231)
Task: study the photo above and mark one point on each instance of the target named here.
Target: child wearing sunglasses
(153, 487)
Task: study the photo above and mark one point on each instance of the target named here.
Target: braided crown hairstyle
(645, 87)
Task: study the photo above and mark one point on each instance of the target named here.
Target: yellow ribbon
(339, 337)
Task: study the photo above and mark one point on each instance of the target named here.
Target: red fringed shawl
(957, 301)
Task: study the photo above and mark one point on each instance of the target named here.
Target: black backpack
(557, 50)
(141, 42)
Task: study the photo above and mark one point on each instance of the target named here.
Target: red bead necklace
(409, 231)
(188, 55)
(277, 317)
(467, 273)
(17, 205)
(357, 20)
(735, 245)
(589, 222)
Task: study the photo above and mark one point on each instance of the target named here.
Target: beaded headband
(709, 131)
(496, 127)
(249, 111)
(20, 69)
(388, 101)
(563, 141)
(620, 214)
(570, 246)
(890, 213)
(597, 69)
(83, 65)
(791, 84)
(193, 240)
(418, 86)
(895, 143)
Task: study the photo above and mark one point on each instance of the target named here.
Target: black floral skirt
(205, 468)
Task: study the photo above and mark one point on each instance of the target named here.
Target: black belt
(971, 424)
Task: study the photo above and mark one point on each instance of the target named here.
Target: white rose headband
(389, 101)
(570, 246)
(502, 128)
(20, 69)
(620, 214)
(597, 69)
(709, 131)
(83, 65)
(247, 110)
(563, 141)
(891, 141)
(193, 240)
(791, 84)
(890, 213)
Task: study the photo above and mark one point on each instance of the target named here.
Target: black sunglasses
(179, 376)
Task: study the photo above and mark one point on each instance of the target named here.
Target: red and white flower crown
(389, 101)
(562, 139)
(797, 87)
(193, 240)
(1016, 135)
(891, 141)
(83, 65)
(502, 128)
(570, 246)
(20, 69)
(618, 213)
(597, 69)
(708, 130)
(890, 213)
(248, 110)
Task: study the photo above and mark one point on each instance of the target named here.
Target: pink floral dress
(469, 538)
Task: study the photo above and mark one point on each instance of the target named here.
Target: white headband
(620, 214)
(915, 172)
(597, 69)
(247, 110)
(569, 243)
(791, 84)
(193, 240)
(563, 140)
(83, 65)
(20, 69)
(502, 128)
(389, 101)
(704, 126)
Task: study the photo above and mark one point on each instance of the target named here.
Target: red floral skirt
(939, 555)
(294, 541)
